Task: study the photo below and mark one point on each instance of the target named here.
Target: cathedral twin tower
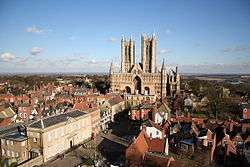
(143, 78)
(148, 54)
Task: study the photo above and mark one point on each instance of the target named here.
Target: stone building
(14, 146)
(56, 134)
(143, 78)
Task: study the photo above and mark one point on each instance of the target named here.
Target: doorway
(71, 143)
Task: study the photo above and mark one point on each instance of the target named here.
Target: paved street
(70, 159)
(104, 149)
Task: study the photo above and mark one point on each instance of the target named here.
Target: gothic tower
(127, 54)
(163, 80)
(111, 68)
(148, 53)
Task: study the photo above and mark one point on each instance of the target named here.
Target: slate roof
(188, 141)
(203, 132)
(185, 127)
(15, 136)
(56, 119)
(9, 129)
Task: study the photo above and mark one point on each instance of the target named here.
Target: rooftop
(15, 136)
(9, 129)
(56, 119)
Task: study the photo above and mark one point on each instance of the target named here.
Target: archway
(147, 91)
(137, 84)
(128, 89)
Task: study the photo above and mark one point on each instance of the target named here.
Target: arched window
(128, 89)
(147, 91)
(137, 83)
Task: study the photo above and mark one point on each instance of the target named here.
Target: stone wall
(32, 162)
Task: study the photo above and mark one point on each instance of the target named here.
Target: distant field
(211, 79)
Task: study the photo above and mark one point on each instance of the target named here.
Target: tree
(102, 86)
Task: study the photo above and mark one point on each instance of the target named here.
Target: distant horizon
(48, 36)
(106, 73)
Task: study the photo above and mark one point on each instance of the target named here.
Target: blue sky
(84, 36)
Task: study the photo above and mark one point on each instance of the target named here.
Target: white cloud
(22, 61)
(112, 39)
(163, 51)
(34, 30)
(7, 56)
(36, 50)
(236, 49)
(92, 61)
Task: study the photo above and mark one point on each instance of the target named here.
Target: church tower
(148, 53)
(177, 80)
(163, 80)
(127, 54)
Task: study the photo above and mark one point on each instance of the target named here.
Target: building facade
(143, 78)
(14, 146)
(56, 134)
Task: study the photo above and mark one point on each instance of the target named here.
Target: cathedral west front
(143, 78)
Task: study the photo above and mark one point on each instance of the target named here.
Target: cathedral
(143, 78)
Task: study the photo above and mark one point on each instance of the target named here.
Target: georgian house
(56, 134)
(14, 146)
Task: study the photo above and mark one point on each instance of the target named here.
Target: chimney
(134, 139)
(166, 146)
(231, 126)
(42, 124)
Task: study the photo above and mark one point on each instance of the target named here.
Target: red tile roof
(81, 106)
(5, 122)
(160, 161)
(138, 148)
(143, 144)
(156, 145)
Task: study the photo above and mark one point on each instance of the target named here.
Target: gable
(136, 69)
